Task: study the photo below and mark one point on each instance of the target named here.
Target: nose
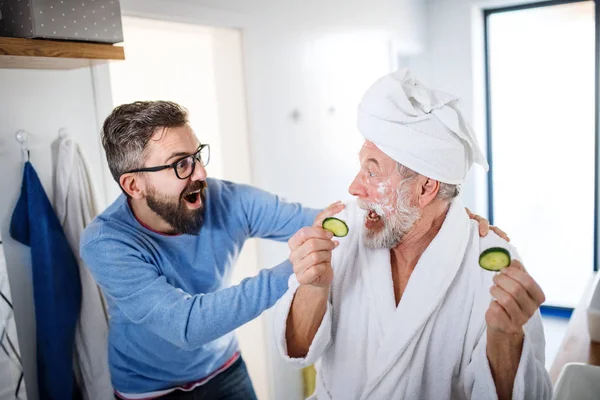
(199, 172)
(357, 188)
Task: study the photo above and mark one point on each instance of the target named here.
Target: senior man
(401, 309)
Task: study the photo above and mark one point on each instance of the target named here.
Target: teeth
(373, 216)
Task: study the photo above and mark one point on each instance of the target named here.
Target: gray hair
(128, 129)
(446, 192)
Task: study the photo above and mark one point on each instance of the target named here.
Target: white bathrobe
(76, 206)
(433, 345)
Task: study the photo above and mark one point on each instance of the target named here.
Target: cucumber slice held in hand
(335, 226)
(494, 259)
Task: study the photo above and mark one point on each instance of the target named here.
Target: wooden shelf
(50, 54)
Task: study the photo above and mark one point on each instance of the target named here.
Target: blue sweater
(172, 309)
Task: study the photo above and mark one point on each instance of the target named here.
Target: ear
(429, 189)
(132, 185)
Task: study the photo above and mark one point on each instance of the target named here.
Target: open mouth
(193, 198)
(373, 216)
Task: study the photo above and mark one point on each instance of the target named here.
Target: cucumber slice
(494, 259)
(335, 226)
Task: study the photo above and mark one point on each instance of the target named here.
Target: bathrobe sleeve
(321, 340)
(532, 381)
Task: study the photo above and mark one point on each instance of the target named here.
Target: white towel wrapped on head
(421, 128)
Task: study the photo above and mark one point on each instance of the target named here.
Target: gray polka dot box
(81, 20)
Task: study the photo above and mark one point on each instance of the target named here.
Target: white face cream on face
(383, 188)
(385, 196)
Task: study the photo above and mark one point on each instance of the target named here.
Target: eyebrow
(181, 154)
(177, 154)
(374, 161)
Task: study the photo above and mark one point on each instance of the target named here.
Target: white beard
(395, 227)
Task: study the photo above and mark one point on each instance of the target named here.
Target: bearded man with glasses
(162, 254)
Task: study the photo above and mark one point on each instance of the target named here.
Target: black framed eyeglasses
(185, 166)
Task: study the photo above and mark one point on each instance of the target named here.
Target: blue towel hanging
(56, 286)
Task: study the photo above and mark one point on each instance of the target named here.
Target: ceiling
(242, 6)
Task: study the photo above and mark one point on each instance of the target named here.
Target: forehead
(370, 151)
(166, 141)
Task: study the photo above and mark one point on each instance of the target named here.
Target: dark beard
(182, 219)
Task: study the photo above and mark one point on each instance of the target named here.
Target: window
(541, 88)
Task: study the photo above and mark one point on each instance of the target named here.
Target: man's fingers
(500, 233)
(517, 264)
(517, 272)
(518, 292)
(497, 317)
(311, 260)
(310, 246)
(484, 226)
(512, 308)
(315, 274)
(330, 211)
(306, 233)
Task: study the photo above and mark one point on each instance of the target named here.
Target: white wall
(184, 73)
(40, 102)
(454, 62)
(236, 166)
